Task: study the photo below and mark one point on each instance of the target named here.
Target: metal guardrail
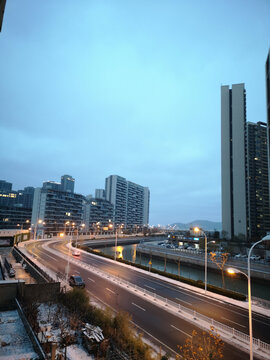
(18, 254)
(196, 317)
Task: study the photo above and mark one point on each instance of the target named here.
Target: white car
(76, 253)
(255, 257)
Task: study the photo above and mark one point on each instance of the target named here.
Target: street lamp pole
(231, 271)
(266, 238)
(36, 225)
(115, 246)
(196, 229)
(236, 271)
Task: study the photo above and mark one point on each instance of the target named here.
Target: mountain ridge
(203, 224)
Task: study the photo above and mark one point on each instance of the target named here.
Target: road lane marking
(150, 287)
(110, 290)
(186, 302)
(233, 322)
(51, 257)
(91, 279)
(181, 331)
(138, 306)
(76, 271)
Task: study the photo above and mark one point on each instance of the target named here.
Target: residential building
(54, 207)
(97, 213)
(233, 160)
(257, 180)
(116, 194)
(267, 78)
(5, 186)
(244, 169)
(100, 194)
(25, 197)
(67, 183)
(15, 206)
(130, 201)
(15, 217)
(2, 10)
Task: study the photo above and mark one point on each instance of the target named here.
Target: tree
(220, 261)
(205, 346)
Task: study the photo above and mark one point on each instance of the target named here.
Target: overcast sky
(92, 88)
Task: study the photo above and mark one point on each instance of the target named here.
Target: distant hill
(204, 224)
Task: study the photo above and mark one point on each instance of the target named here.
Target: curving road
(164, 329)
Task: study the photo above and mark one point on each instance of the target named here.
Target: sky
(93, 88)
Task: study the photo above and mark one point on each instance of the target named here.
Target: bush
(117, 328)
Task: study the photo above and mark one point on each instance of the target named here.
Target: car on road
(76, 252)
(76, 281)
(255, 257)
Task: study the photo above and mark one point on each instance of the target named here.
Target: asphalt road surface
(163, 328)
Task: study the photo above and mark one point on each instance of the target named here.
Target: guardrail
(42, 276)
(199, 319)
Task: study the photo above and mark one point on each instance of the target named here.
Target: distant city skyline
(97, 88)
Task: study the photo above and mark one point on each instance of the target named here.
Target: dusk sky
(92, 88)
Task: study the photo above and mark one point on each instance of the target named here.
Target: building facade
(15, 206)
(233, 160)
(130, 202)
(53, 207)
(98, 214)
(267, 78)
(244, 169)
(257, 180)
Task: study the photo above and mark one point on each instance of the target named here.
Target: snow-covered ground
(14, 341)
(47, 314)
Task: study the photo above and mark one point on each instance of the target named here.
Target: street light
(82, 225)
(266, 238)
(119, 227)
(36, 225)
(232, 271)
(66, 223)
(196, 229)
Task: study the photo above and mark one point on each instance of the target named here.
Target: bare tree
(220, 261)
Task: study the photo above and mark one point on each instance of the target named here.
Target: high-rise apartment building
(130, 201)
(100, 194)
(97, 213)
(15, 206)
(244, 169)
(257, 180)
(67, 183)
(267, 78)
(233, 160)
(54, 207)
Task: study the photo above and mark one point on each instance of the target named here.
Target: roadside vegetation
(205, 346)
(117, 328)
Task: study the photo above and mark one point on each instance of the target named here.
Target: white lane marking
(110, 290)
(233, 322)
(91, 279)
(51, 257)
(150, 287)
(180, 330)
(186, 302)
(138, 306)
(76, 271)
